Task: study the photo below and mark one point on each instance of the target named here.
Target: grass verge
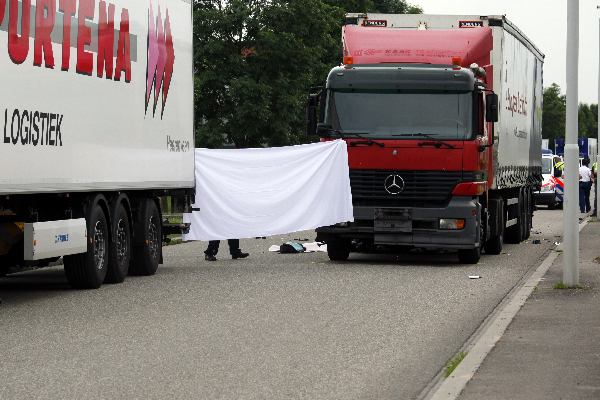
(452, 363)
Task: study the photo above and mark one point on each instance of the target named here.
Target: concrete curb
(458, 379)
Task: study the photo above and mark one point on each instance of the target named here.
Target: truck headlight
(446, 223)
(547, 188)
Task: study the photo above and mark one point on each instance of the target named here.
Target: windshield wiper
(426, 136)
(358, 135)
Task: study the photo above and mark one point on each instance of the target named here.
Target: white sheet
(244, 193)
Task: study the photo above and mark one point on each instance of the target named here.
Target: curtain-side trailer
(97, 124)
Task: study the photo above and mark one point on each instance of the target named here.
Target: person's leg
(595, 197)
(234, 246)
(234, 249)
(213, 248)
(588, 189)
(581, 198)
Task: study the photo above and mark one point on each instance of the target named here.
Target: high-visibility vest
(594, 166)
(559, 165)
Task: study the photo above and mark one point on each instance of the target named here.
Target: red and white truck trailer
(97, 123)
(443, 119)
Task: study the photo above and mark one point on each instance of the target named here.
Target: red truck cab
(419, 141)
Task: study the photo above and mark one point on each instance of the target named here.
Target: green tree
(581, 120)
(254, 63)
(255, 60)
(375, 6)
(394, 7)
(588, 121)
(554, 114)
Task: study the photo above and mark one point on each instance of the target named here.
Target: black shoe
(593, 215)
(240, 255)
(208, 257)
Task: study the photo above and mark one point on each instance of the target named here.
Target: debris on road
(308, 247)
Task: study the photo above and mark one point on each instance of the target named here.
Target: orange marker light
(460, 224)
(456, 61)
(348, 60)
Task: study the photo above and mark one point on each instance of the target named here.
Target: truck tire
(120, 247)
(338, 250)
(4, 267)
(147, 254)
(469, 256)
(88, 270)
(494, 245)
(12, 259)
(472, 256)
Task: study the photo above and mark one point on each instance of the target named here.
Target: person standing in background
(559, 166)
(585, 185)
(595, 178)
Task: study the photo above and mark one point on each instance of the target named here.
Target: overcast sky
(545, 23)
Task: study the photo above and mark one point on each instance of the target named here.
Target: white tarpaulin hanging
(242, 193)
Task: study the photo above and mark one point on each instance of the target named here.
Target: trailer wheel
(147, 255)
(515, 233)
(338, 250)
(494, 245)
(4, 267)
(12, 259)
(120, 247)
(88, 270)
(528, 213)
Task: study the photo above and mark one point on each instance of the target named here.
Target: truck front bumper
(412, 226)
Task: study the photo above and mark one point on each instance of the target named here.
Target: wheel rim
(122, 244)
(99, 245)
(153, 238)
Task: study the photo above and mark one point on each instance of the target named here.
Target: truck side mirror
(323, 130)
(311, 114)
(491, 107)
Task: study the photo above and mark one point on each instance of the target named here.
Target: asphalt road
(272, 326)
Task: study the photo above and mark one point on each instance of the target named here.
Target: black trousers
(584, 196)
(213, 247)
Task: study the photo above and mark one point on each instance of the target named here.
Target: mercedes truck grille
(414, 189)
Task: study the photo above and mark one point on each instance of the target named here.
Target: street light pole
(571, 204)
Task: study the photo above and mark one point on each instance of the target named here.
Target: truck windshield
(387, 114)
(546, 165)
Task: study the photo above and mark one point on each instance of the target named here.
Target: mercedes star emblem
(394, 184)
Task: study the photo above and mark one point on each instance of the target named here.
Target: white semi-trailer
(96, 111)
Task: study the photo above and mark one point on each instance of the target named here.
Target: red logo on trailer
(161, 58)
(46, 19)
